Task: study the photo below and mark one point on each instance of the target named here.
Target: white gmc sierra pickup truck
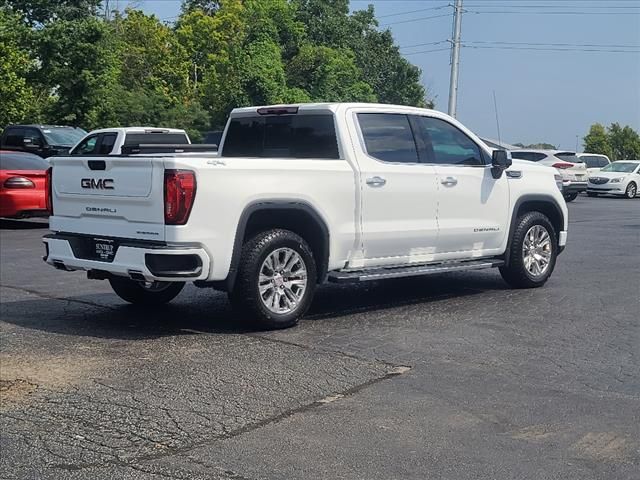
(302, 194)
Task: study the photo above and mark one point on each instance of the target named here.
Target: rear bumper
(573, 187)
(133, 258)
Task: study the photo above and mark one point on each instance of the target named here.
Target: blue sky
(542, 95)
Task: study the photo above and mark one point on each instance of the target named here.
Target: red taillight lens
(179, 194)
(18, 182)
(48, 187)
(562, 165)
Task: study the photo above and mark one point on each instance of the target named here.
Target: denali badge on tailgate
(97, 183)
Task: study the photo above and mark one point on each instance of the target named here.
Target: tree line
(616, 142)
(74, 62)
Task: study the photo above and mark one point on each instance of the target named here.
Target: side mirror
(500, 161)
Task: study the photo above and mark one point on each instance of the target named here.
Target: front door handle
(376, 181)
(449, 181)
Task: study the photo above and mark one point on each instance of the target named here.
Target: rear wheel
(533, 252)
(631, 191)
(276, 279)
(145, 293)
(570, 197)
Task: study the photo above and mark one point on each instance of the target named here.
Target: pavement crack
(53, 297)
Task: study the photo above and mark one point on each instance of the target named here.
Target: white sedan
(618, 178)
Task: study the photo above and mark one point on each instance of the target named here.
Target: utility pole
(455, 57)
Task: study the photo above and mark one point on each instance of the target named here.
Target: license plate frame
(104, 249)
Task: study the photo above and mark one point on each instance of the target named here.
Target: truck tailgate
(109, 196)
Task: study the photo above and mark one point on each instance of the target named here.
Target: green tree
(329, 75)
(597, 141)
(40, 12)
(624, 141)
(77, 65)
(392, 78)
(16, 96)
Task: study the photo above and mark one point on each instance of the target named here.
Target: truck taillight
(48, 188)
(179, 194)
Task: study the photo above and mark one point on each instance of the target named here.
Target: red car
(23, 189)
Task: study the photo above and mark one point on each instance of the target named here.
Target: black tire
(516, 273)
(570, 197)
(135, 292)
(245, 295)
(592, 194)
(631, 191)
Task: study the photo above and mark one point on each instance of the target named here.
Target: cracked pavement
(445, 377)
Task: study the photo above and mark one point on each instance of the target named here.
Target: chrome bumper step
(354, 276)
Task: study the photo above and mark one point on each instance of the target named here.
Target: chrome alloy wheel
(631, 190)
(536, 250)
(282, 281)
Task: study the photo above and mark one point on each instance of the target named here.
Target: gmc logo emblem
(99, 184)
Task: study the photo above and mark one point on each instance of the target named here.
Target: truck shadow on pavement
(11, 224)
(198, 311)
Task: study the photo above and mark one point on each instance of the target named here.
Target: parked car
(110, 141)
(618, 178)
(300, 194)
(593, 161)
(42, 140)
(574, 173)
(22, 184)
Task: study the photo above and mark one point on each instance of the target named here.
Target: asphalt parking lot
(452, 377)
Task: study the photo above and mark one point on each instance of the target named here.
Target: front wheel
(533, 252)
(631, 190)
(570, 197)
(145, 293)
(276, 279)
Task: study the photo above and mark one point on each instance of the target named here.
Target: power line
(416, 19)
(413, 11)
(427, 51)
(592, 7)
(423, 44)
(550, 49)
(599, 45)
(516, 12)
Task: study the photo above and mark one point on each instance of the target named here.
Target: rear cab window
(298, 135)
(162, 138)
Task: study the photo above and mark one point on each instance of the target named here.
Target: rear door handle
(376, 181)
(449, 181)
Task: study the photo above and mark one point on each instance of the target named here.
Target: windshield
(621, 167)
(67, 136)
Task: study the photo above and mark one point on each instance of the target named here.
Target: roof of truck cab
(331, 106)
(136, 130)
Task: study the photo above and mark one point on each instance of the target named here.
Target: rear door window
(282, 136)
(388, 137)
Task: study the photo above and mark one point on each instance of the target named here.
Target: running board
(353, 276)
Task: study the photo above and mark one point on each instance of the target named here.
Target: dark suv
(43, 140)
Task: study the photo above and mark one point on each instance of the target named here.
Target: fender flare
(275, 204)
(533, 197)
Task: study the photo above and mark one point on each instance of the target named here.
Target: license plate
(104, 249)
